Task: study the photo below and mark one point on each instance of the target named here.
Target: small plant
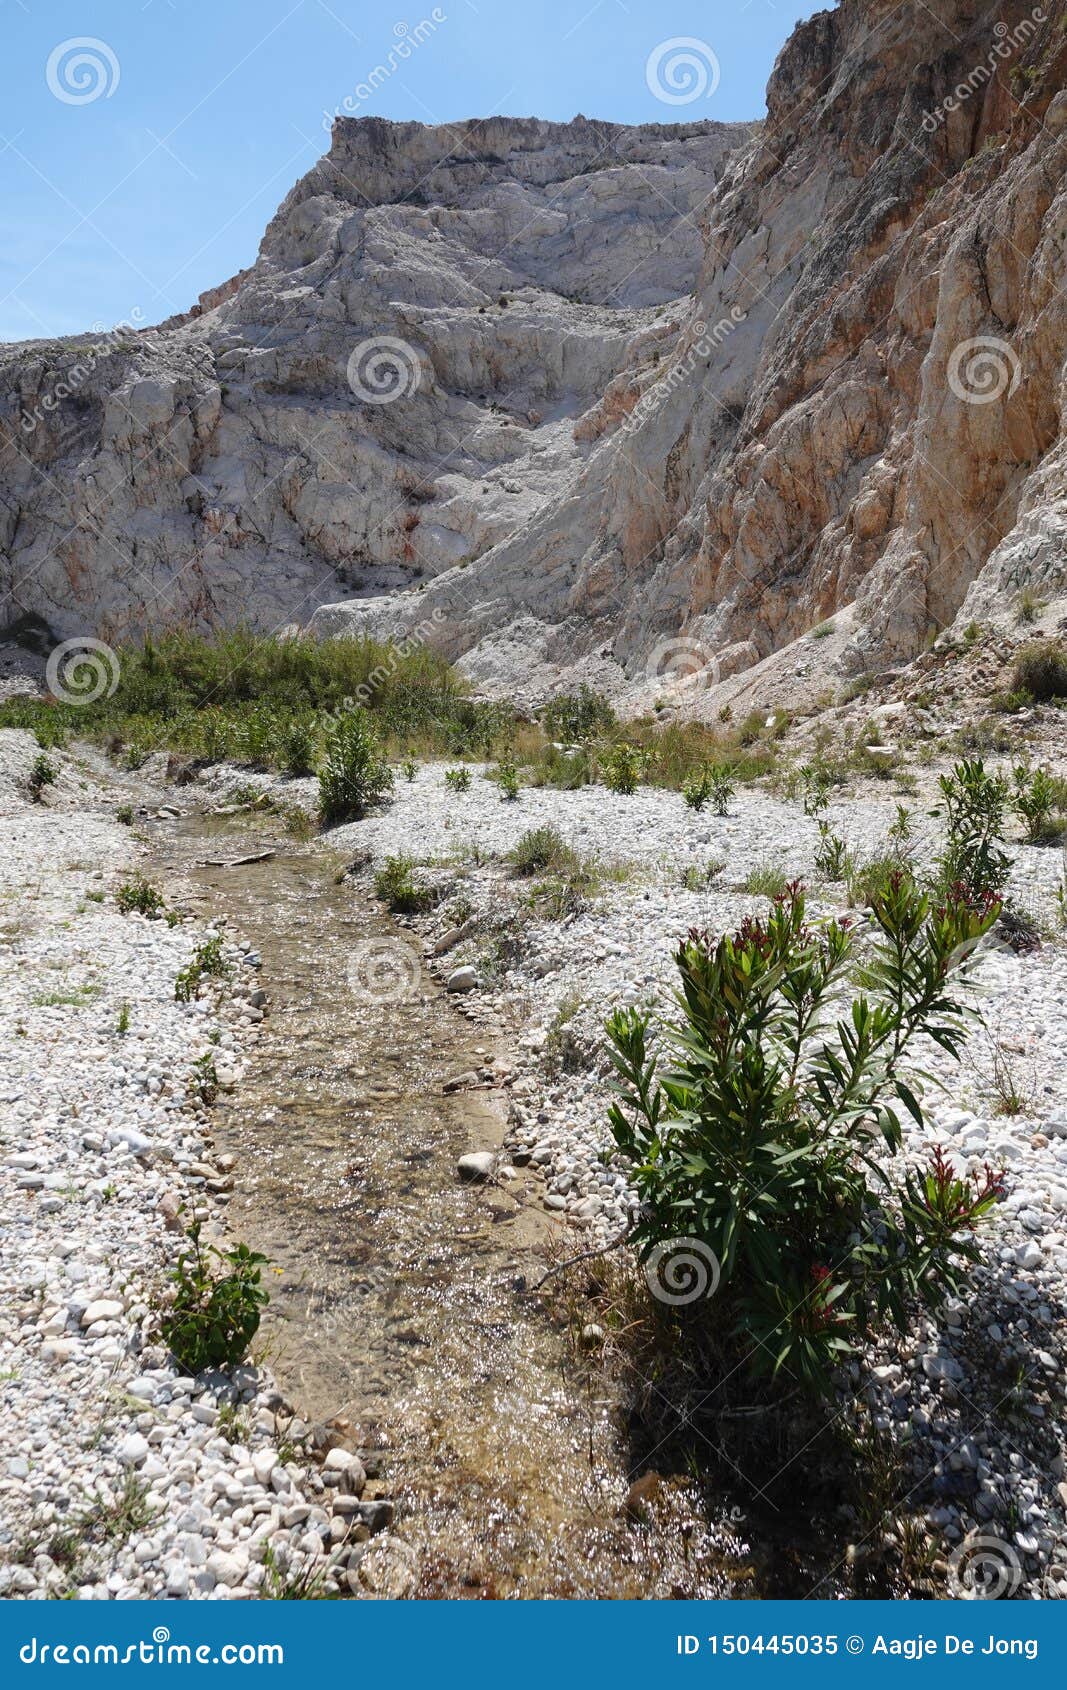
(814, 788)
(1011, 1099)
(214, 1316)
(1040, 669)
(695, 791)
(696, 879)
(457, 780)
(823, 631)
(507, 778)
(765, 881)
(298, 749)
(1036, 796)
(973, 804)
(122, 1025)
(308, 1584)
(354, 775)
(140, 897)
(831, 854)
(207, 960)
(206, 1078)
(712, 783)
(755, 1147)
(410, 769)
(543, 849)
(575, 717)
(395, 885)
(124, 814)
(43, 772)
(1027, 606)
(624, 766)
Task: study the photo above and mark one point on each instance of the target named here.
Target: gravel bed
(120, 1477)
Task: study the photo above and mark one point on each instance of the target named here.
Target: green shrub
(973, 804)
(139, 897)
(753, 1148)
(624, 767)
(1036, 803)
(457, 780)
(207, 960)
(815, 784)
(712, 783)
(831, 854)
(43, 772)
(395, 885)
(507, 778)
(298, 748)
(542, 849)
(124, 814)
(410, 770)
(354, 774)
(214, 1316)
(1040, 669)
(574, 717)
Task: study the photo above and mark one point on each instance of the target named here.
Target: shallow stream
(399, 1307)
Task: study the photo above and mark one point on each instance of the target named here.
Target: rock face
(862, 413)
(241, 462)
(649, 398)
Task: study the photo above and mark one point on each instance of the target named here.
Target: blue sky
(204, 112)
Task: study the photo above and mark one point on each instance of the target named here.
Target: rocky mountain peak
(577, 393)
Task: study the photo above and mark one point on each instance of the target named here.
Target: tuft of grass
(1040, 669)
(765, 881)
(543, 850)
(396, 886)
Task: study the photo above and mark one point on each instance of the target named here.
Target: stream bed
(400, 1305)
